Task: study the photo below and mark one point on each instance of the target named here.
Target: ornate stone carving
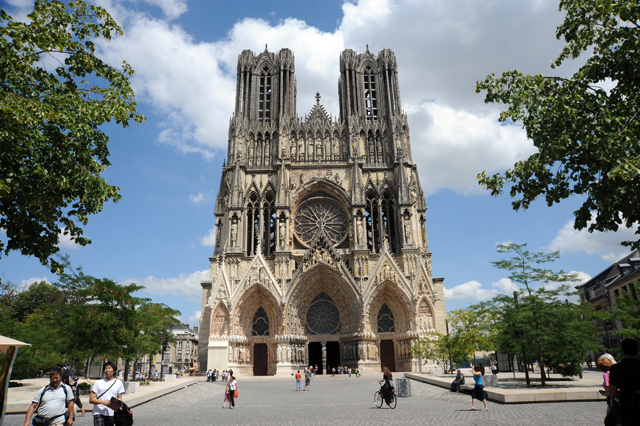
(293, 201)
(320, 213)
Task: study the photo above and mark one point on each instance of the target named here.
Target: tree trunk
(135, 368)
(86, 369)
(126, 371)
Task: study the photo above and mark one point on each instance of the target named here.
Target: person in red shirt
(298, 378)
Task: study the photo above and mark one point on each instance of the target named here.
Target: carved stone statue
(234, 232)
(407, 230)
(281, 232)
(360, 226)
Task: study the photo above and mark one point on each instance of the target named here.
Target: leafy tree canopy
(586, 136)
(55, 93)
(78, 317)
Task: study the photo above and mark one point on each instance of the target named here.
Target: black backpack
(123, 416)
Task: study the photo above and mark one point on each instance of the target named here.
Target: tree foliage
(473, 329)
(535, 320)
(79, 317)
(55, 94)
(586, 136)
(436, 347)
(627, 312)
(555, 332)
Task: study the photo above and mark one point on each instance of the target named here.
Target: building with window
(321, 254)
(180, 357)
(603, 290)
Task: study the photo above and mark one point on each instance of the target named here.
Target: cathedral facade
(321, 254)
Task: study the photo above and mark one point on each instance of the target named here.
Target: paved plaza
(343, 401)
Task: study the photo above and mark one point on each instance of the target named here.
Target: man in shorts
(102, 392)
(52, 400)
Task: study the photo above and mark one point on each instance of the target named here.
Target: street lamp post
(446, 322)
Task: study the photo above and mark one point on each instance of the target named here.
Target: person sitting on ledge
(455, 385)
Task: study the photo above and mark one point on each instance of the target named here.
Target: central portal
(260, 359)
(387, 355)
(333, 355)
(315, 355)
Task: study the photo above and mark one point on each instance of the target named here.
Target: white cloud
(182, 285)
(506, 285)
(210, 238)
(24, 284)
(195, 318)
(440, 51)
(171, 8)
(471, 290)
(583, 277)
(197, 199)
(607, 244)
(64, 241)
(452, 154)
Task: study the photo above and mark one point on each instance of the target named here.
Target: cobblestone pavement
(343, 401)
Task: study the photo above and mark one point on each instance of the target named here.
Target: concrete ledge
(131, 387)
(141, 398)
(145, 394)
(518, 396)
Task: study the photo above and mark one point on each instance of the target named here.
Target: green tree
(536, 319)
(52, 148)
(35, 315)
(436, 347)
(627, 311)
(586, 136)
(473, 329)
(158, 320)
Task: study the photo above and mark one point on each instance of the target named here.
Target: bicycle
(378, 398)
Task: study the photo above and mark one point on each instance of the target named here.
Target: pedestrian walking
(52, 401)
(307, 379)
(494, 366)
(66, 379)
(101, 393)
(227, 398)
(349, 370)
(589, 362)
(478, 389)
(233, 391)
(604, 364)
(298, 378)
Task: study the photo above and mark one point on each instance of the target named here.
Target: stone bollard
(490, 380)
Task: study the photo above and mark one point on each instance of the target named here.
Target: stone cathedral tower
(321, 254)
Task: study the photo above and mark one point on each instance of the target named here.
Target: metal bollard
(403, 388)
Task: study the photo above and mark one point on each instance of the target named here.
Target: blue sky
(185, 53)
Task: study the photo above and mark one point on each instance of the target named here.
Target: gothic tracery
(321, 252)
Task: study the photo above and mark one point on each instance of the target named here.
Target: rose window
(323, 316)
(320, 213)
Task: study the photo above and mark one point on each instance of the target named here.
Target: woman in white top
(233, 386)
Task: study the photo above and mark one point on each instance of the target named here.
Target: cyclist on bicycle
(386, 389)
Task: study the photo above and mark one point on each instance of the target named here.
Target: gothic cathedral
(321, 254)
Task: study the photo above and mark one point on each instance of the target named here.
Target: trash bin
(403, 388)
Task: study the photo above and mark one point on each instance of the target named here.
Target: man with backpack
(51, 402)
(101, 394)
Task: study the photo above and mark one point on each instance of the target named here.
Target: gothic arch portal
(390, 295)
(323, 279)
(254, 298)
